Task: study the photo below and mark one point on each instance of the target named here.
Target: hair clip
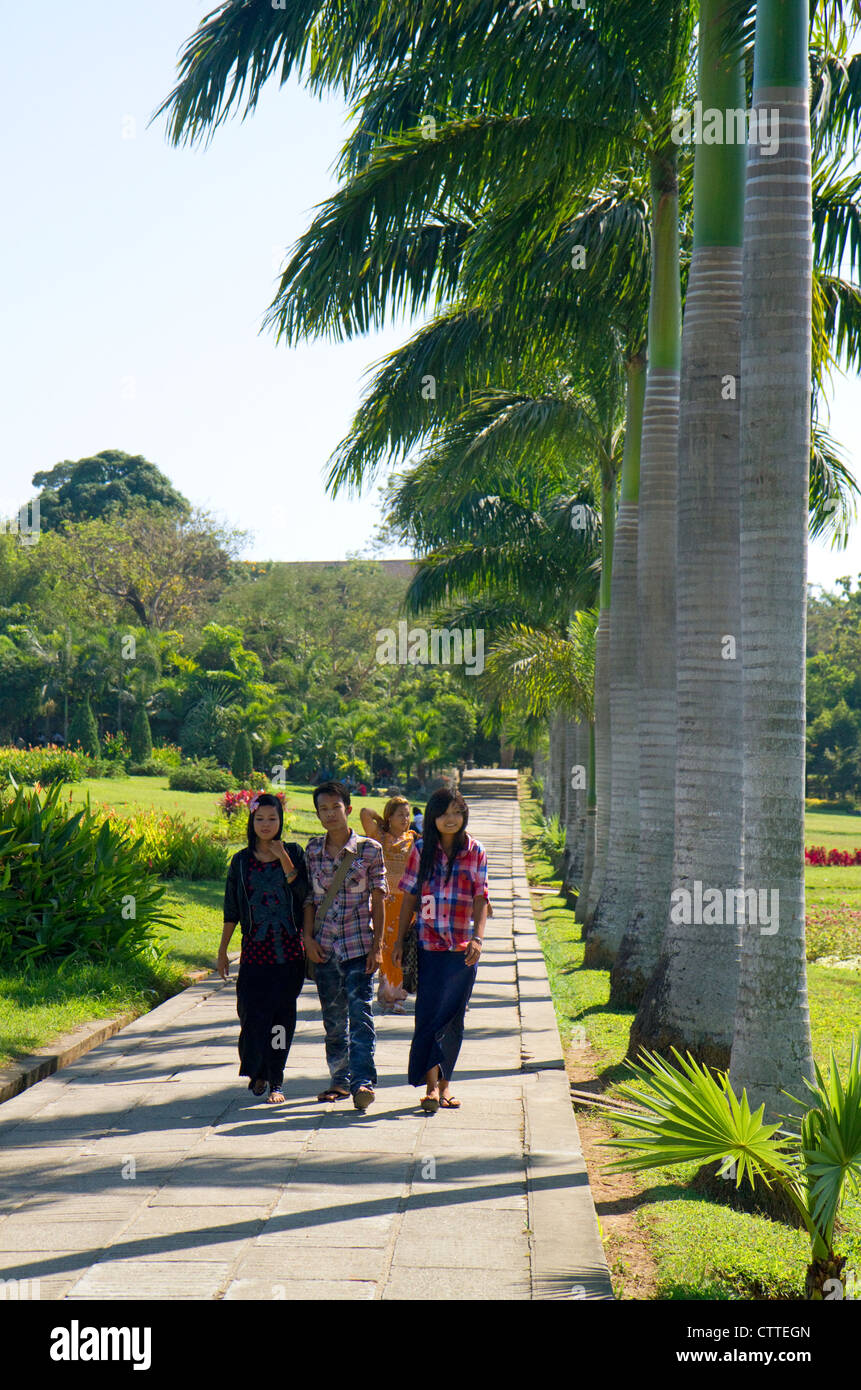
(252, 805)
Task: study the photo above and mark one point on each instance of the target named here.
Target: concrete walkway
(146, 1170)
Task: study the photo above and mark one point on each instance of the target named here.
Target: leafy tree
(91, 488)
(163, 566)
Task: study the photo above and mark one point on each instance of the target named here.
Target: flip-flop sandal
(271, 1098)
(429, 1104)
(257, 1088)
(325, 1096)
(449, 1103)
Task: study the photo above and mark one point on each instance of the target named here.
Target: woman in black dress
(265, 891)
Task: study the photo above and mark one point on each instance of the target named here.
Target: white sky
(136, 277)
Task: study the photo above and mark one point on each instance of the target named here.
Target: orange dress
(395, 853)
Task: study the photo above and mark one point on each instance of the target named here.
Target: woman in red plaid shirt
(446, 881)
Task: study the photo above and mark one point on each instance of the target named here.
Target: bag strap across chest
(334, 888)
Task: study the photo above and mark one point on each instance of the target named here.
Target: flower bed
(233, 803)
(831, 858)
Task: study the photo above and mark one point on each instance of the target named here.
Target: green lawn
(129, 794)
(833, 829)
(703, 1250)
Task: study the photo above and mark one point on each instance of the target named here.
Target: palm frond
(538, 671)
(833, 490)
(692, 1115)
(831, 1141)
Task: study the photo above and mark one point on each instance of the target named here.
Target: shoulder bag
(329, 897)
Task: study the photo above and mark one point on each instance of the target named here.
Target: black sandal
(257, 1087)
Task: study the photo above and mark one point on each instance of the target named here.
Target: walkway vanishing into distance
(146, 1170)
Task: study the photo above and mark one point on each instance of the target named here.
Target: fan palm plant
(691, 1114)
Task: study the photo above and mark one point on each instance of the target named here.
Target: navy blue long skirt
(445, 984)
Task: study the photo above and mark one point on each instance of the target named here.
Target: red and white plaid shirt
(445, 914)
(347, 928)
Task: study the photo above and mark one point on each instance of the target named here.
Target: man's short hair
(332, 789)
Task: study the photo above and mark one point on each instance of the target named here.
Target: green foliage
(173, 847)
(83, 892)
(94, 487)
(242, 764)
(44, 765)
(83, 730)
(202, 776)
(115, 749)
(688, 1113)
(148, 769)
(548, 839)
(167, 756)
(141, 737)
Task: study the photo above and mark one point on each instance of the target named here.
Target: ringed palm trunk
(771, 1047)
(689, 990)
(551, 786)
(589, 846)
(578, 763)
(617, 897)
(602, 698)
(656, 560)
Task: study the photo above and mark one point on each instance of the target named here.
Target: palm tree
(771, 1048)
(691, 990)
(615, 899)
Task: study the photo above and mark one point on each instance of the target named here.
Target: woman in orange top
(392, 831)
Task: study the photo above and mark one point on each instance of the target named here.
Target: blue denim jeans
(345, 991)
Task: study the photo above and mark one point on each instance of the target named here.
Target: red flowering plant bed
(233, 802)
(831, 858)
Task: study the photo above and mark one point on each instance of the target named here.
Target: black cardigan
(237, 906)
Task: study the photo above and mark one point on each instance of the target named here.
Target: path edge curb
(69, 1047)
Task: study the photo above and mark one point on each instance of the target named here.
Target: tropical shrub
(687, 1113)
(115, 749)
(141, 737)
(549, 840)
(147, 769)
(173, 847)
(167, 755)
(45, 765)
(73, 885)
(200, 777)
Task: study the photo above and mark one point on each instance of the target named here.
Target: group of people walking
(339, 912)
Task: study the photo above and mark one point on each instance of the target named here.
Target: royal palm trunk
(771, 1048)
(656, 559)
(617, 897)
(589, 848)
(575, 821)
(690, 988)
(602, 698)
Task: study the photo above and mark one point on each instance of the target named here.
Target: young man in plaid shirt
(347, 946)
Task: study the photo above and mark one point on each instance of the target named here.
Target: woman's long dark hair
(437, 806)
(267, 799)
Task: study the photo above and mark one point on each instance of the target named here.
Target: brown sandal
(449, 1103)
(332, 1094)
